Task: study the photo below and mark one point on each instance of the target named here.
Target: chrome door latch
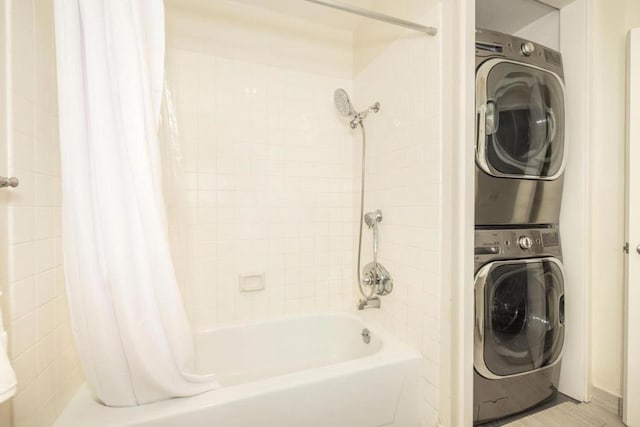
(625, 248)
(8, 182)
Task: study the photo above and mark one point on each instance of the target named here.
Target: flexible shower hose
(362, 168)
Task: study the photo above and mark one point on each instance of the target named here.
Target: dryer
(520, 122)
(519, 320)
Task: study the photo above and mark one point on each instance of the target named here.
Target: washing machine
(519, 320)
(520, 131)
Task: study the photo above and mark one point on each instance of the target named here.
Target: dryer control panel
(490, 44)
(516, 243)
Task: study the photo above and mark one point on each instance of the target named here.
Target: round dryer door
(520, 120)
(519, 316)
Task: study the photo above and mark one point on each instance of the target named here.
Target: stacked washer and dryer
(519, 279)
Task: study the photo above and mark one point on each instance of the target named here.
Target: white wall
(610, 21)
(545, 30)
(41, 347)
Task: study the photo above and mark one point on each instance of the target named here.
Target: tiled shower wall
(40, 344)
(403, 180)
(263, 176)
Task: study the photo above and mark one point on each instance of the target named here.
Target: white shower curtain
(126, 311)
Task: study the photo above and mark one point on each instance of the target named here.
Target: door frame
(631, 351)
(575, 217)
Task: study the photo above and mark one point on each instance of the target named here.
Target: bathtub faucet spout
(369, 303)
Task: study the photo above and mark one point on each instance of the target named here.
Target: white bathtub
(299, 371)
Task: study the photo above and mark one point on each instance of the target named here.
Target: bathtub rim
(83, 406)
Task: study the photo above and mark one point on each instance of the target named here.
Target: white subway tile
(46, 386)
(45, 287)
(25, 405)
(46, 352)
(44, 254)
(23, 223)
(25, 367)
(22, 334)
(23, 152)
(22, 297)
(22, 261)
(46, 319)
(43, 223)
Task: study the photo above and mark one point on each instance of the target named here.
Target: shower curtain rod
(375, 15)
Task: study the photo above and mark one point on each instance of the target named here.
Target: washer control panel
(517, 243)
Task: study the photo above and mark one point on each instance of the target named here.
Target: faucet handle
(369, 276)
(385, 286)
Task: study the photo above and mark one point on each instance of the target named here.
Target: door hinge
(625, 248)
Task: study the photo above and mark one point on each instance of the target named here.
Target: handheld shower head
(345, 107)
(343, 103)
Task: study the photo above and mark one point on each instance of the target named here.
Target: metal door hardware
(8, 182)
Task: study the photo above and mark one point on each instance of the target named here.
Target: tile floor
(564, 412)
(569, 414)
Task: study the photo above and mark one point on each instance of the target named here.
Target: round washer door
(521, 116)
(519, 316)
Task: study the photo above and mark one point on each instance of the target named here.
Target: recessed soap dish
(251, 282)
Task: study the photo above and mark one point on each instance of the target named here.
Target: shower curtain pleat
(127, 316)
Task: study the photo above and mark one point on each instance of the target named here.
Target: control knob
(525, 242)
(527, 48)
